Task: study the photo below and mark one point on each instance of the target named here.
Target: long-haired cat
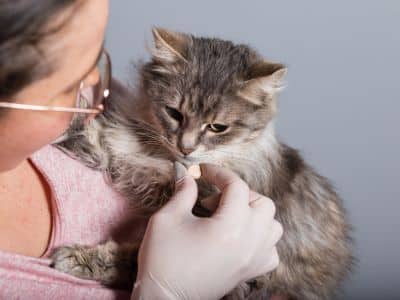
(209, 100)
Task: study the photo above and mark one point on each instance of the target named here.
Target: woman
(50, 50)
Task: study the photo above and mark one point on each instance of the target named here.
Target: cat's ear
(170, 46)
(264, 80)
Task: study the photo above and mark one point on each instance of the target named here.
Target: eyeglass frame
(105, 93)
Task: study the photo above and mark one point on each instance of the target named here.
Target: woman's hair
(23, 28)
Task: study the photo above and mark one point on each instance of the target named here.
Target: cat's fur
(210, 81)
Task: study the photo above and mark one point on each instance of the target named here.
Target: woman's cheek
(25, 132)
(62, 120)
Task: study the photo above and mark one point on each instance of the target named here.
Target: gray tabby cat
(208, 100)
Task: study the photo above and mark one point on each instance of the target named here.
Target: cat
(210, 100)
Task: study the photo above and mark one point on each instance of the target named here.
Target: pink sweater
(85, 211)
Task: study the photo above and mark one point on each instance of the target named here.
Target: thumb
(185, 196)
(211, 202)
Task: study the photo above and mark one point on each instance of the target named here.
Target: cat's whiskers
(229, 159)
(155, 141)
(144, 129)
(230, 155)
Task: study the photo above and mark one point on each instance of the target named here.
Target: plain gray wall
(341, 107)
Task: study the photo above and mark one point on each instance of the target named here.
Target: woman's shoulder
(60, 163)
(67, 174)
(86, 208)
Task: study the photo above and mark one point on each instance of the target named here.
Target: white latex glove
(186, 257)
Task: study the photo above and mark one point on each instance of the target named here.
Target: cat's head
(208, 93)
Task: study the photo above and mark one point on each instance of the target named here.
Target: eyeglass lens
(99, 92)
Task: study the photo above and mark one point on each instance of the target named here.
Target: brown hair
(23, 27)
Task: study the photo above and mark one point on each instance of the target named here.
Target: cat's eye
(217, 128)
(173, 113)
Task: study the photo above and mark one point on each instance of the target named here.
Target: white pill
(195, 171)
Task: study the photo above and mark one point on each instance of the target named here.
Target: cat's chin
(190, 161)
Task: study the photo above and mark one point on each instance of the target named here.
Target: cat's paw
(72, 260)
(111, 264)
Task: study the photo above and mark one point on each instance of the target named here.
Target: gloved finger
(254, 199)
(269, 244)
(185, 196)
(211, 202)
(262, 206)
(276, 233)
(234, 191)
(271, 262)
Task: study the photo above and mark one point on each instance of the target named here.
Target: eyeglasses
(90, 103)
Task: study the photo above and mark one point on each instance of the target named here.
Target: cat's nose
(187, 143)
(187, 150)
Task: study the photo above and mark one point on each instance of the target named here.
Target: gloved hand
(186, 257)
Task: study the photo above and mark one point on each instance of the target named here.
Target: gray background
(341, 107)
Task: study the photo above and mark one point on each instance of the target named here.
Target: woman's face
(75, 49)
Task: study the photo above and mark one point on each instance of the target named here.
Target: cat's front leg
(147, 183)
(111, 264)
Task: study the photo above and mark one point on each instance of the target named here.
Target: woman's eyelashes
(174, 114)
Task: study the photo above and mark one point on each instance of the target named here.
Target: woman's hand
(186, 257)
